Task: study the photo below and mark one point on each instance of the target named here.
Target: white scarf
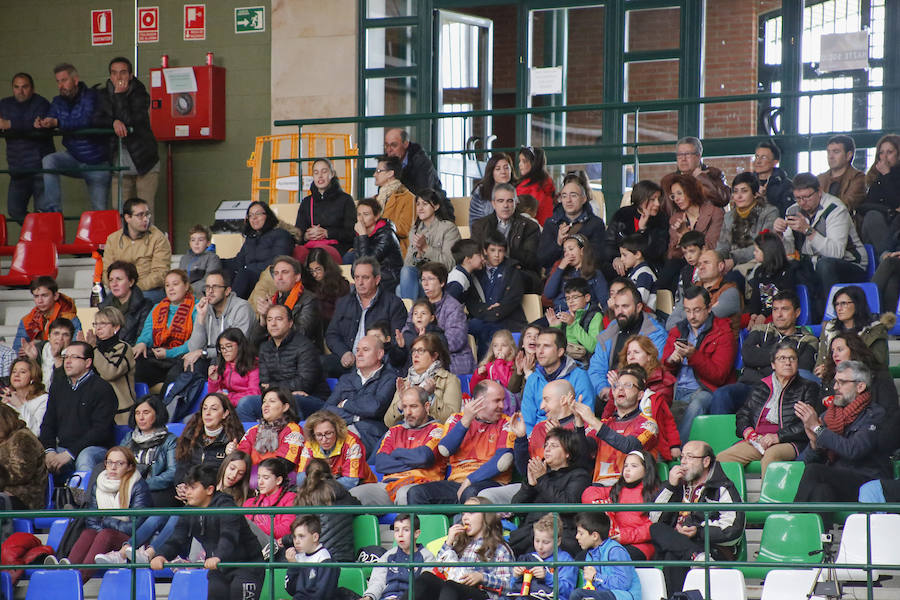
(107, 492)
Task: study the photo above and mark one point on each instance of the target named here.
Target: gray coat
(765, 220)
(439, 238)
(197, 266)
(237, 313)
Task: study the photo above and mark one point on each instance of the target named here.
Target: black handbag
(67, 497)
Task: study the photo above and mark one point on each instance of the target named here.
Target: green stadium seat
(352, 579)
(788, 538)
(432, 527)
(365, 532)
(279, 578)
(778, 485)
(663, 470)
(715, 430)
(735, 472)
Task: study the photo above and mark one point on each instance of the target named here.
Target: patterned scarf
(178, 332)
(388, 190)
(292, 296)
(37, 326)
(838, 417)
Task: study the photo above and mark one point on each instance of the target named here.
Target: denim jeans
(97, 182)
(871, 491)
(690, 404)
(154, 531)
(410, 287)
(86, 460)
(729, 398)
(20, 190)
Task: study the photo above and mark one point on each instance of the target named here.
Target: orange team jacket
(613, 445)
(401, 437)
(290, 442)
(481, 442)
(347, 458)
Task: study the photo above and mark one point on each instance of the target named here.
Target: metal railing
(116, 168)
(557, 509)
(617, 151)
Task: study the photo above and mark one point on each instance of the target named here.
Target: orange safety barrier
(292, 145)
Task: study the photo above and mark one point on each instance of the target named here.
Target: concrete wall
(41, 33)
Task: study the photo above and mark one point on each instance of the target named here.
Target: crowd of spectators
(321, 391)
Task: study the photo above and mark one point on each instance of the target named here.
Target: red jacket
(279, 497)
(633, 527)
(662, 383)
(544, 193)
(713, 362)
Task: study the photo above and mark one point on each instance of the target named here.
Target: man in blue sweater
(75, 108)
(17, 116)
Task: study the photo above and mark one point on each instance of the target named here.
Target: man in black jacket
(522, 234)
(124, 104)
(224, 537)
(766, 423)
(418, 172)
(287, 360)
(366, 304)
(699, 479)
(502, 285)
(17, 116)
(78, 426)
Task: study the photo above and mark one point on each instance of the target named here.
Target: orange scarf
(37, 326)
(178, 332)
(293, 295)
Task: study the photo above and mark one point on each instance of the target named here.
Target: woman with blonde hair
(26, 394)
(430, 360)
(328, 438)
(113, 358)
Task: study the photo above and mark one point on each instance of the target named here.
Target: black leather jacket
(790, 429)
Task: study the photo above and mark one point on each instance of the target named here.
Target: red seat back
(96, 225)
(2, 230)
(43, 226)
(34, 258)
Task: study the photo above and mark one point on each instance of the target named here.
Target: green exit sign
(250, 19)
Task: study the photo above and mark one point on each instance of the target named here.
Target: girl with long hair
(847, 345)
(430, 240)
(326, 215)
(772, 274)
(477, 538)
(323, 277)
(499, 169)
(272, 490)
(638, 484)
(320, 488)
(25, 393)
(578, 261)
(852, 314)
(644, 216)
(236, 371)
(234, 476)
(526, 358)
(535, 180)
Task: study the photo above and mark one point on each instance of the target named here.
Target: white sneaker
(141, 555)
(51, 560)
(109, 558)
(65, 561)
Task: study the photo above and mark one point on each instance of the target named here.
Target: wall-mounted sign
(194, 22)
(250, 19)
(101, 27)
(844, 51)
(148, 24)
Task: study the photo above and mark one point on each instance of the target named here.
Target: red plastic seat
(39, 226)
(93, 229)
(31, 259)
(2, 230)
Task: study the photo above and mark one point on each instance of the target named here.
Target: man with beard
(75, 108)
(219, 309)
(725, 295)
(699, 479)
(843, 451)
(631, 319)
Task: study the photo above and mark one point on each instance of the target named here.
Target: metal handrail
(269, 565)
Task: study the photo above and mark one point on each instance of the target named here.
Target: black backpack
(182, 394)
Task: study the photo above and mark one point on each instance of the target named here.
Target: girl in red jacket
(638, 484)
(536, 181)
(272, 490)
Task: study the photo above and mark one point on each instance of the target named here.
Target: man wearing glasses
(217, 310)
(689, 161)
(843, 451)
(767, 424)
(699, 479)
(142, 244)
(774, 184)
(78, 426)
(830, 249)
(287, 276)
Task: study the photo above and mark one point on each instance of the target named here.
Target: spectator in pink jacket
(272, 490)
(236, 373)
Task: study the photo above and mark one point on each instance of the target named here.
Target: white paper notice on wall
(545, 80)
(844, 51)
(180, 80)
(155, 78)
(182, 130)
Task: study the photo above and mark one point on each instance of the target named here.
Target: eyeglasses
(115, 464)
(101, 324)
(786, 358)
(260, 213)
(685, 457)
(840, 382)
(212, 288)
(381, 170)
(419, 351)
(573, 297)
(686, 154)
(626, 385)
(759, 158)
(74, 356)
(227, 347)
(843, 303)
(142, 215)
(571, 196)
(804, 198)
(325, 434)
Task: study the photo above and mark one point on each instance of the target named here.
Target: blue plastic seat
(45, 522)
(23, 526)
(6, 586)
(57, 529)
(57, 584)
(189, 584)
(121, 432)
(141, 389)
(332, 383)
(739, 359)
(803, 296)
(870, 267)
(176, 428)
(116, 584)
(464, 381)
(868, 288)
